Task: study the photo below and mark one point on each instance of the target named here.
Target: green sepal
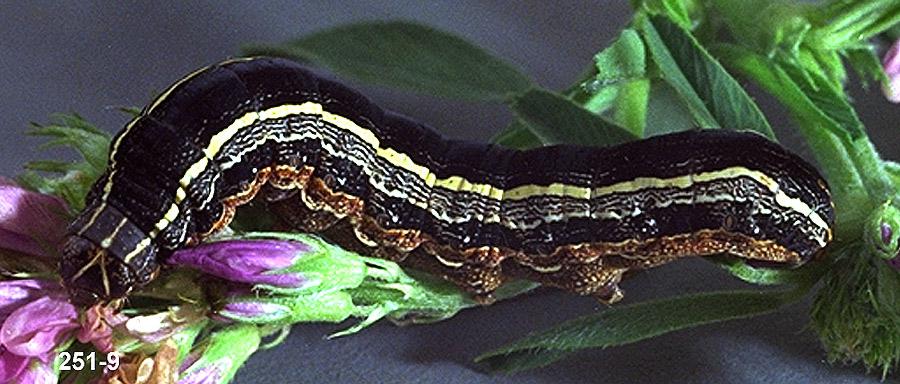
(857, 310)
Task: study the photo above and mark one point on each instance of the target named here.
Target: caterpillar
(329, 161)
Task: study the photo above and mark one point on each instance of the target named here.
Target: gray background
(92, 57)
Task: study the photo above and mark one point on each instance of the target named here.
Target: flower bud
(333, 306)
(264, 262)
(891, 64)
(300, 263)
(882, 231)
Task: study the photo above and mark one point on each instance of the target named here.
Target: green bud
(324, 267)
(333, 306)
(185, 337)
(217, 359)
(883, 231)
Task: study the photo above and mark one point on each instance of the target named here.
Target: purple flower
(38, 327)
(37, 372)
(37, 319)
(891, 64)
(16, 293)
(264, 262)
(11, 365)
(30, 222)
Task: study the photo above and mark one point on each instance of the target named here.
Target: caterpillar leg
(596, 278)
(298, 216)
(479, 278)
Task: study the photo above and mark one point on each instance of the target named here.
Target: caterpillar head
(105, 257)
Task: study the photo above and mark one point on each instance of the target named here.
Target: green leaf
(866, 62)
(671, 73)
(622, 61)
(74, 179)
(631, 323)
(631, 106)
(847, 23)
(715, 99)
(766, 26)
(406, 55)
(893, 170)
(517, 135)
(828, 99)
(555, 119)
(824, 135)
(74, 131)
(677, 10)
(665, 111)
(826, 65)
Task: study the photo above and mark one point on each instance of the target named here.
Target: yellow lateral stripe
(459, 183)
